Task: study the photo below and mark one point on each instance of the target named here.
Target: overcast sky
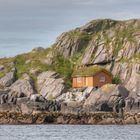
(25, 24)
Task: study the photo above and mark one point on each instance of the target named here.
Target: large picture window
(102, 79)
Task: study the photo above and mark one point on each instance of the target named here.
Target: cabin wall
(74, 83)
(82, 82)
(98, 80)
(89, 81)
(78, 82)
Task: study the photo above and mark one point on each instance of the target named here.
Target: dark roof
(89, 71)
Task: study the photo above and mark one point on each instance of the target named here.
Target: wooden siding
(97, 80)
(89, 81)
(78, 82)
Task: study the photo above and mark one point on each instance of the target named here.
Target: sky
(26, 24)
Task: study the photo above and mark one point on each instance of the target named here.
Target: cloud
(28, 23)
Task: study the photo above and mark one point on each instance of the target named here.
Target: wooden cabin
(94, 76)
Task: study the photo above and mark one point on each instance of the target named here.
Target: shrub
(116, 79)
(1, 86)
(64, 67)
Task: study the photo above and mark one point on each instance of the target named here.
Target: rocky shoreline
(97, 118)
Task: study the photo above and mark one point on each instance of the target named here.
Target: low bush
(116, 79)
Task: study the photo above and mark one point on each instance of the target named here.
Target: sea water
(70, 132)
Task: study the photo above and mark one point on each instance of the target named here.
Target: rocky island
(36, 87)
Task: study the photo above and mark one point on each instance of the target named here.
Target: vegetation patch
(87, 71)
(116, 79)
(1, 86)
(64, 67)
(25, 62)
(2, 74)
(51, 98)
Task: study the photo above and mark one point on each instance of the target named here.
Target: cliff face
(113, 44)
(46, 73)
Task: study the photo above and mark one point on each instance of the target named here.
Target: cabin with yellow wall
(94, 76)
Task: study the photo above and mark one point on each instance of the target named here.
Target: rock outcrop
(8, 79)
(109, 98)
(114, 45)
(1, 67)
(50, 85)
(106, 98)
(37, 49)
(76, 95)
(22, 87)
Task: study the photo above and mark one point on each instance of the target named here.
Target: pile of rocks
(76, 95)
(21, 96)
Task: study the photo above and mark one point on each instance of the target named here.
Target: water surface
(69, 132)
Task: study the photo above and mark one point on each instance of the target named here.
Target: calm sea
(69, 132)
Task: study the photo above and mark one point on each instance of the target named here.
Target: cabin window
(102, 79)
(79, 79)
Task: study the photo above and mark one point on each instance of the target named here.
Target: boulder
(12, 99)
(35, 72)
(48, 59)
(3, 92)
(130, 120)
(38, 49)
(91, 120)
(66, 97)
(134, 80)
(76, 95)
(129, 75)
(2, 99)
(1, 67)
(22, 87)
(50, 84)
(105, 98)
(37, 98)
(27, 61)
(107, 121)
(71, 107)
(32, 106)
(101, 55)
(34, 97)
(8, 79)
(25, 109)
(60, 120)
(22, 100)
(9, 108)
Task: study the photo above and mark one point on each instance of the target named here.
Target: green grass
(87, 71)
(7, 66)
(2, 74)
(34, 62)
(61, 65)
(64, 67)
(84, 36)
(5, 61)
